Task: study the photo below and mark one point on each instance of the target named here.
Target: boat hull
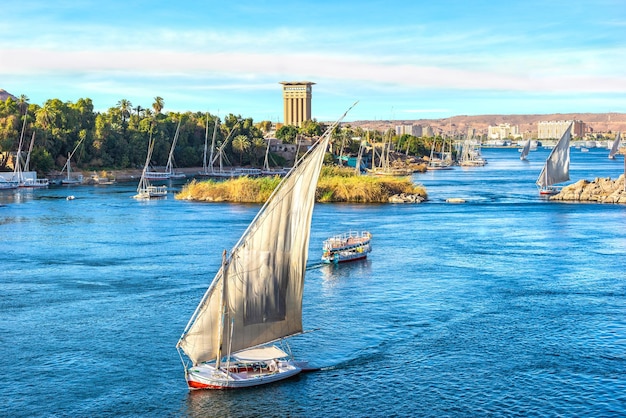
(548, 192)
(344, 259)
(205, 376)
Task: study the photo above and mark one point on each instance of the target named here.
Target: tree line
(118, 138)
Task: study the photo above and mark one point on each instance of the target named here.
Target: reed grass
(241, 190)
(336, 184)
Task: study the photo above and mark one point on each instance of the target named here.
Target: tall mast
(206, 140)
(17, 169)
(266, 163)
(30, 149)
(169, 167)
(217, 122)
(220, 331)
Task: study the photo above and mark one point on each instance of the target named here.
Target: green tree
(311, 128)
(265, 126)
(22, 103)
(287, 134)
(125, 107)
(158, 105)
(41, 160)
(241, 144)
(258, 148)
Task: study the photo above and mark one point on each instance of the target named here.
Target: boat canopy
(260, 354)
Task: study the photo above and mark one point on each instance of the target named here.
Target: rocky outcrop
(602, 190)
(406, 198)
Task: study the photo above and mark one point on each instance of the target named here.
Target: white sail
(265, 272)
(615, 146)
(525, 150)
(556, 168)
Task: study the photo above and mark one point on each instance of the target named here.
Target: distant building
(556, 129)
(414, 130)
(428, 132)
(288, 151)
(296, 102)
(503, 131)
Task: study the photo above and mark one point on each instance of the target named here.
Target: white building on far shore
(554, 129)
(504, 131)
(413, 130)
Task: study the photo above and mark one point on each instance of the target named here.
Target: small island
(601, 190)
(336, 184)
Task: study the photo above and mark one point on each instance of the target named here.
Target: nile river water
(506, 305)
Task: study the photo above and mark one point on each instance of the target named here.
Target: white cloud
(257, 67)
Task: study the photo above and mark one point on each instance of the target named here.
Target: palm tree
(125, 107)
(241, 144)
(45, 115)
(258, 148)
(22, 103)
(158, 104)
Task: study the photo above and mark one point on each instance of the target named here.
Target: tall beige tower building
(296, 101)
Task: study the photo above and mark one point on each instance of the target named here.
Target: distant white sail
(615, 146)
(525, 150)
(556, 168)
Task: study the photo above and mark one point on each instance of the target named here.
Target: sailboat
(439, 163)
(556, 168)
(471, 155)
(69, 179)
(615, 147)
(525, 150)
(386, 168)
(255, 299)
(22, 175)
(29, 178)
(145, 190)
(169, 172)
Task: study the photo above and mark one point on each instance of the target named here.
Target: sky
(400, 59)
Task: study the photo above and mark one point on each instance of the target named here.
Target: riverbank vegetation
(117, 139)
(336, 184)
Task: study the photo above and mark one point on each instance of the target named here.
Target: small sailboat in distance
(145, 190)
(255, 299)
(615, 146)
(525, 151)
(70, 179)
(556, 167)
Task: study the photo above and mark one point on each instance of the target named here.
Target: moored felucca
(145, 190)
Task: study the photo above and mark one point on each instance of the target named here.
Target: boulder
(603, 190)
(406, 198)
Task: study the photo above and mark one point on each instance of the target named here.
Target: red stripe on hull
(198, 385)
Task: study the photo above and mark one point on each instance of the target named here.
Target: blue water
(506, 305)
